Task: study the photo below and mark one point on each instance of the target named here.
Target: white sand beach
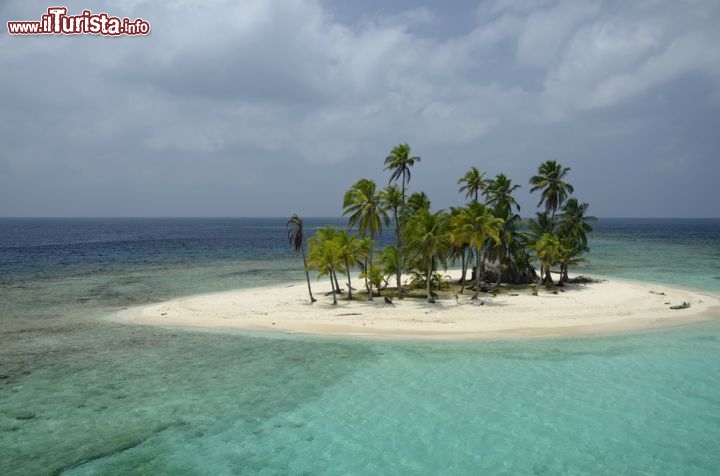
(606, 307)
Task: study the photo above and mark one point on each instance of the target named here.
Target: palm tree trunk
(477, 273)
(347, 266)
(537, 285)
(307, 276)
(332, 285)
(397, 255)
(369, 270)
(482, 263)
(400, 237)
(464, 271)
(430, 298)
(367, 286)
(337, 285)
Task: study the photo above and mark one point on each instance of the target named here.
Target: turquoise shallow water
(83, 395)
(165, 402)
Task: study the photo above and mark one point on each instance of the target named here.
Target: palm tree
(498, 193)
(504, 252)
(548, 250)
(476, 224)
(472, 183)
(363, 205)
(554, 190)
(326, 257)
(569, 255)
(459, 246)
(520, 264)
(426, 234)
(329, 233)
(294, 228)
(388, 261)
(574, 228)
(350, 253)
(392, 199)
(574, 222)
(416, 202)
(399, 162)
(537, 228)
(363, 254)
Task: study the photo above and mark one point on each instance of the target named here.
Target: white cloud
(617, 58)
(684, 55)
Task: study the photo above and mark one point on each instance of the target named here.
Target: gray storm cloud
(266, 108)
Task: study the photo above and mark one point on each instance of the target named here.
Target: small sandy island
(605, 307)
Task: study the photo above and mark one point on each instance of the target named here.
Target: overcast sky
(274, 107)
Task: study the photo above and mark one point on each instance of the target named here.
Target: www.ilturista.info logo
(57, 22)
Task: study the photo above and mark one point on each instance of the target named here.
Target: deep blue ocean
(80, 394)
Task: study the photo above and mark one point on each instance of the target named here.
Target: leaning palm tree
(472, 183)
(294, 228)
(326, 257)
(392, 199)
(426, 235)
(549, 181)
(362, 203)
(476, 225)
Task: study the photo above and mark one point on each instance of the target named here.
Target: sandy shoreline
(606, 307)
